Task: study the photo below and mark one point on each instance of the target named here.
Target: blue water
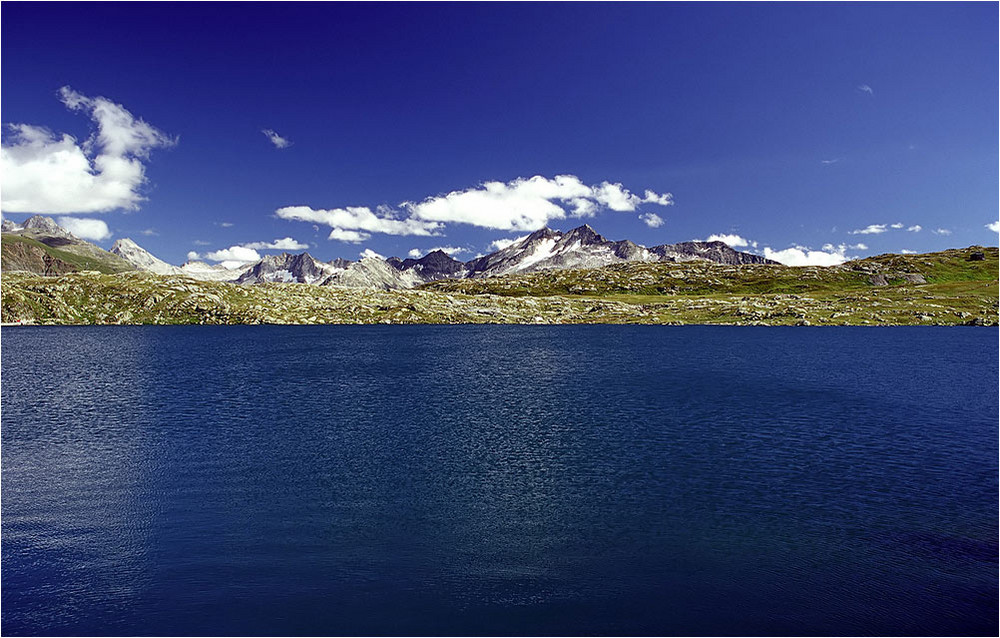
(499, 480)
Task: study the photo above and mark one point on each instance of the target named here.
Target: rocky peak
(542, 234)
(434, 265)
(585, 235)
(716, 251)
(286, 267)
(124, 245)
(438, 260)
(9, 226)
(340, 263)
(373, 272)
(45, 224)
(141, 258)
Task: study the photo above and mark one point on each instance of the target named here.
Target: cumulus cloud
(802, 256)
(358, 218)
(908, 252)
(234, 255)
(149, 232)
(733, 241)
(286, 243)
(521, 204)
(277, 140)
(941, 231)
(871, 229)
(368, 253)
(876, 229)
(995, 226)
(45, 172)
(85, 228)
(858, 246)
(652, 220)
(349, 236)
(529, 204)
(448, 250)
(663, 199)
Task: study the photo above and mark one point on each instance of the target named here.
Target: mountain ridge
(41, 243)
(544, 249)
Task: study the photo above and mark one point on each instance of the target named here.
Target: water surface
(499, 480)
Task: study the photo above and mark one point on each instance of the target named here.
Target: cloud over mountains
(45, 172)
(523, 204)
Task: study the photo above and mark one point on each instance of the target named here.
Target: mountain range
(43, 247)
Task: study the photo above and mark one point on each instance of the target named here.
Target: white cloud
(201, 242)
(44, 172)
(916, 228)
(93, 229)
(500, 244)
(149, 232)
(995, 226)
(908, 252)
(242, 254)
(232, 257)
(802, 256)
(897, 225)
(733, 241)
(864, 88)
(234, 254)
(857, 246)
(286, 243)
(368, 253)
(529, 204)
(349, 236)
(521, 204)
(225, 224)
(941, 231)
(277, 140)
(652, 220)
(663, 199)
(871, 229)
(451, 251)
(830, 161)
(358, 218)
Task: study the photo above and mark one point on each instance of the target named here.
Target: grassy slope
(702, 278)
(106, 263)
(958, 291)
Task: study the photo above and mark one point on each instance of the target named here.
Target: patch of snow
(541, 252)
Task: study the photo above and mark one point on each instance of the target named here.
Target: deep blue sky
(732, 108)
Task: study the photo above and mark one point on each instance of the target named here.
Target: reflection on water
(499, 480)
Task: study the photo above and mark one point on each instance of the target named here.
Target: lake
(499, 480)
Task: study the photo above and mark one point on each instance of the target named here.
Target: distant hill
(41, 246)
(694, 278)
